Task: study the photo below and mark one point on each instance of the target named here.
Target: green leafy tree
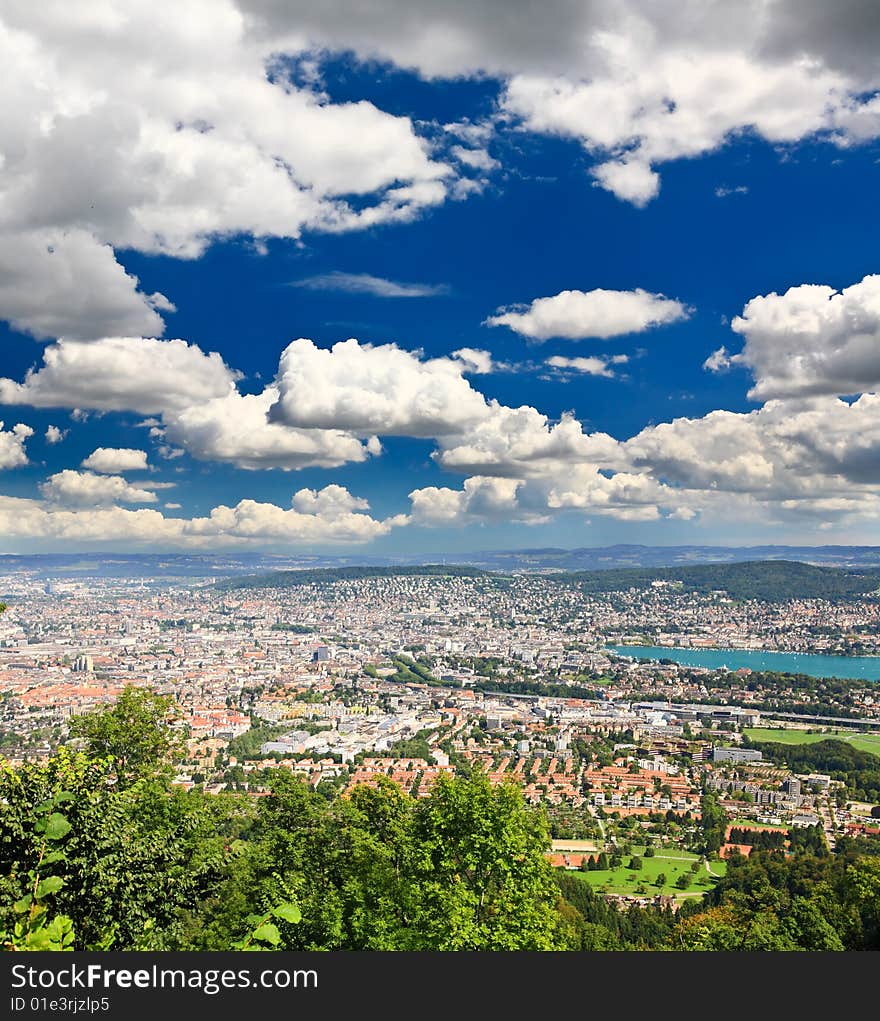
(711, 930)
(862, 890)
(714, 823)
(35, 927)
(481, 879)
(135, 859)
(138, 733)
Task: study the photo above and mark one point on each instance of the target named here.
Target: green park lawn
(625, 880)
(864, 742)
(752, 824)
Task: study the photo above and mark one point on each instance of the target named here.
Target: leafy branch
(34, 929)
(265, 934)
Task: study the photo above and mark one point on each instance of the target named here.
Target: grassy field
(751, 823)
(625, 880)
(864, 742)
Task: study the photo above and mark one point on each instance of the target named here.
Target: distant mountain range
(549, 559)
(605, 558)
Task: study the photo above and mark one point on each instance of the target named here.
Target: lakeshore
(866, 668)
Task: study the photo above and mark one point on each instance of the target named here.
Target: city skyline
(316, 282)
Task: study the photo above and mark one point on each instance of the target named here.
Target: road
(829, 821)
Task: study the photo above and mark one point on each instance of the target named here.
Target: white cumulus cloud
(652, 93)
(12, 441)
(637, 82)
(331, 501)
(121, 374)
(50, 524)
(161, 126)
(718, 361)
(476, 361)
(87, 489)
(66, 282)
(479, 500)
(116, 460)
(55, 435)
(521, 442)
(812, 340)
(589, 365)
(367, 390)
(235, 429)
(574, 315)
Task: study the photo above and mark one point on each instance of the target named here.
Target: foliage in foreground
(100, 851)
(149, 866)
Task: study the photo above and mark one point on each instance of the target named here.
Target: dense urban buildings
(343, 680)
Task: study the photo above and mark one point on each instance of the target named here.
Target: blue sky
(745, 216)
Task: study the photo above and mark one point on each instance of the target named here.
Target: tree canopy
(138, 733)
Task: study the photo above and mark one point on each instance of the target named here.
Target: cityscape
(345, 676)
(439, 487)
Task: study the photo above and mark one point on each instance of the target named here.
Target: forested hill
(326, 575)
(767, 580)
(858, 770)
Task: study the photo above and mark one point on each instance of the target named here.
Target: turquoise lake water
(866, 668)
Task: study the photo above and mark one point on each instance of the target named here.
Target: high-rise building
(792, 786)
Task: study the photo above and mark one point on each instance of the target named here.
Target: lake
(865, 668)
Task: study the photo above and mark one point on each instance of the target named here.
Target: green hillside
(327, 575)
(767, 580)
